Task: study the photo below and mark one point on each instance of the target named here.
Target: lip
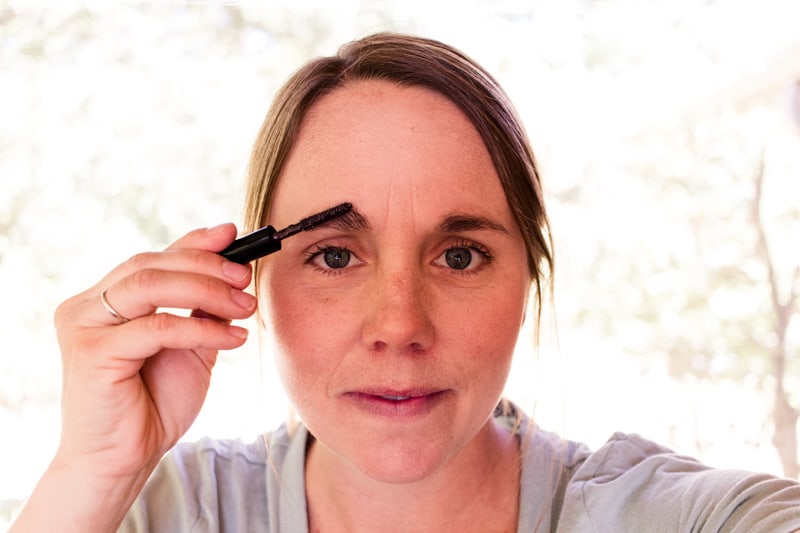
(394, 403)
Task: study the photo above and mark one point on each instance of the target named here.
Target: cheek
(491, 330)
(287, 316)
(306, 326)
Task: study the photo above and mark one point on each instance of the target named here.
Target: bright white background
(125, 124)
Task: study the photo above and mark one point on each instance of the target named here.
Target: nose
(398, 318)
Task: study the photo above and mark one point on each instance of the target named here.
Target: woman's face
(395, 326)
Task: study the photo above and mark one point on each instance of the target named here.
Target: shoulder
(631, 483)
(226, 457)
(213, 484)
(547, 463)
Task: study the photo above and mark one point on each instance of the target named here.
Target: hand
(132, 389)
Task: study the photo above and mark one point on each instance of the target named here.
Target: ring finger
(145, 291)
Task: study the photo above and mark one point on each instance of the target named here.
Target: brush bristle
(313, 221)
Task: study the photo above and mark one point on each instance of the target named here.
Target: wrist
(70, 499)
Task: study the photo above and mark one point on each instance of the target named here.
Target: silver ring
(111, 311)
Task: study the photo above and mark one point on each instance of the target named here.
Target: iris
(458, 258)
(336, 257)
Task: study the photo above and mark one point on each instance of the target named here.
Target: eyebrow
(457, 223)
(350, 221)
(453, 223)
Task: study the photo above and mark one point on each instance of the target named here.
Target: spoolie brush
(266, 240)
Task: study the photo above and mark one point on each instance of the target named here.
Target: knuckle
(198, 259)
(140, 261)
(65, 311)
(83, 344)
(61, 313)
(209, 286)
(145, 279)
(162, 323)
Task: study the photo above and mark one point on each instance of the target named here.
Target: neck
(475, 490)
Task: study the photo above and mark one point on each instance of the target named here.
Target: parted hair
(410, 61)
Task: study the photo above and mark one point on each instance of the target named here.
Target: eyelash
(320, 250)
(469, 245)
(474, 246)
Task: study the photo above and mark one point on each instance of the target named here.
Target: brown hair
(413, 61)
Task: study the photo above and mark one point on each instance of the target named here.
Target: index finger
(212, 239)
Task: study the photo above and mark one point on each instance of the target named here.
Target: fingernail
(245, 300)
(238, 332)
(215, 229)
(235, 271)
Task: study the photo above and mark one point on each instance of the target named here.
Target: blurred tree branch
(785, 416)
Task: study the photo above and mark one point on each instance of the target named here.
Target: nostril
(382, 348)
(416, 347)
(379, 346)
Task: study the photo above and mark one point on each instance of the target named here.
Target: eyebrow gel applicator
(266, 240)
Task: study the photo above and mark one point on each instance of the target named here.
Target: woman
(395, 326)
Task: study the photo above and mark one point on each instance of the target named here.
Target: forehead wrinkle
(354, 221)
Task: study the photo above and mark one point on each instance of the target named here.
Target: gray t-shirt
(629, 484)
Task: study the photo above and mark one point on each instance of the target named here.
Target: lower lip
(408, 408)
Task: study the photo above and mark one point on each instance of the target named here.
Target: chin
(398, 463)
(398, 468)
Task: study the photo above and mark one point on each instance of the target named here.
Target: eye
(336, 257)
(330, 258)
(464, 257)
(458, 258)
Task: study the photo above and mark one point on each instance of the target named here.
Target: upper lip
(409, 392)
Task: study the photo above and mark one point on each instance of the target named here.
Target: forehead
(400, 146)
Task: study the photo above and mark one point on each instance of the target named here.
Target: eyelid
(318, 250)
(484, 254)
(474, 244)
(327, 240)
(463, 242)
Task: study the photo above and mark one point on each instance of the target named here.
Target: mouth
(393, 398)
(397, 403)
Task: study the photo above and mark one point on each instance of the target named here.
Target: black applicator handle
(252, 246)
(266, 240)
